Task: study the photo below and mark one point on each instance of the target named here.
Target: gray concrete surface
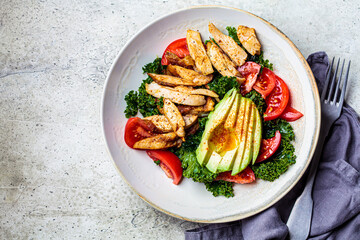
(56, 179)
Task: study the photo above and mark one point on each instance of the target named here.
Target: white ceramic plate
(190, 200)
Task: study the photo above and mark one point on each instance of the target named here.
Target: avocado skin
(242, 127)
(215, 118)
(248, 152)
(257, 135)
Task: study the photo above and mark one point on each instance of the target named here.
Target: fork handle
(299, 221)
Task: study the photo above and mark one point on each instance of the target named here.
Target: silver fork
(331, 105)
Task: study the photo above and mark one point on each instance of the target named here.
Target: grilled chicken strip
(174, 117)
(208, 107)
(197, 91)
(186, 62)
(187, 74)
(222, 62)
(160, 141)
(248, 39)
(171, 80)
(162, 123)
(159, 91)
(198, 53)
(228, 45)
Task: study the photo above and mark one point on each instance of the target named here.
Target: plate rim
(317, 114)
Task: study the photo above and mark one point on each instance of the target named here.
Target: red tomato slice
(269, 147)
(291, 114)
(246, 176)
(249, 71)
(169, 162)
(137, 129)
(265, 83)
(179, 47)
(277, 100)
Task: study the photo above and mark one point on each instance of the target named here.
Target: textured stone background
(56, 179)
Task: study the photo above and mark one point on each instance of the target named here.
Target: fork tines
(330, 93)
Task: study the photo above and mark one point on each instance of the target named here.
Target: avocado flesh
(213, 162)
(231, 118)
(241, 123)
(257, 136)
(227, 161)
(215, 118)
(248, 152)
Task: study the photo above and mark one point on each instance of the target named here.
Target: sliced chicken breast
(197, 78)
(222, 62)
(171, 80)
(159, 91)
(174, 117)
(208, 107)
(162, 124)
(198, 91)
(186, 62)
(248, 39)
(198, 53)
(228, 45)
(160, 141)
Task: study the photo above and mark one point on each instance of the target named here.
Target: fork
(331, 105)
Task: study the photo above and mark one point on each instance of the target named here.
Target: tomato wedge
(277, 100)
(169, 162)
(246, 176)
(291, 114)
(137, 129)
(249, 71)
(269, 147)
(265, 82)
(178, 47)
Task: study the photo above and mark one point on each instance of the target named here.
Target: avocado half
(232, 136)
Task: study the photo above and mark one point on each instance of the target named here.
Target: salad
(214, 112)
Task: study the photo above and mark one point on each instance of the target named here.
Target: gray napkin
(336, 190)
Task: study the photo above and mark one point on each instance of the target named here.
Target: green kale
(233, 33)
(278, 164)
(286, 130)
(193, 141)
(186, 153)
(222, 84)
(220, 188)
(154, 67)
(157, 162)
(147, 104)
(131, 100)
(192, 169)
(141, 101)
(259, 59)
(258, 100)
(284, 157)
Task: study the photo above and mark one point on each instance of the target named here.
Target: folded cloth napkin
(336, 192)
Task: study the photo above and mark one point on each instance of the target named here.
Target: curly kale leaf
(192, 169)
(284, 156)
(259, 59)
(142, 101)
(222, 84)
(131, 100)
(154, 67)
(286, 130)
(233, 33)
(279, 163)
(258, 100)
(220, 188)
(147, 104)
